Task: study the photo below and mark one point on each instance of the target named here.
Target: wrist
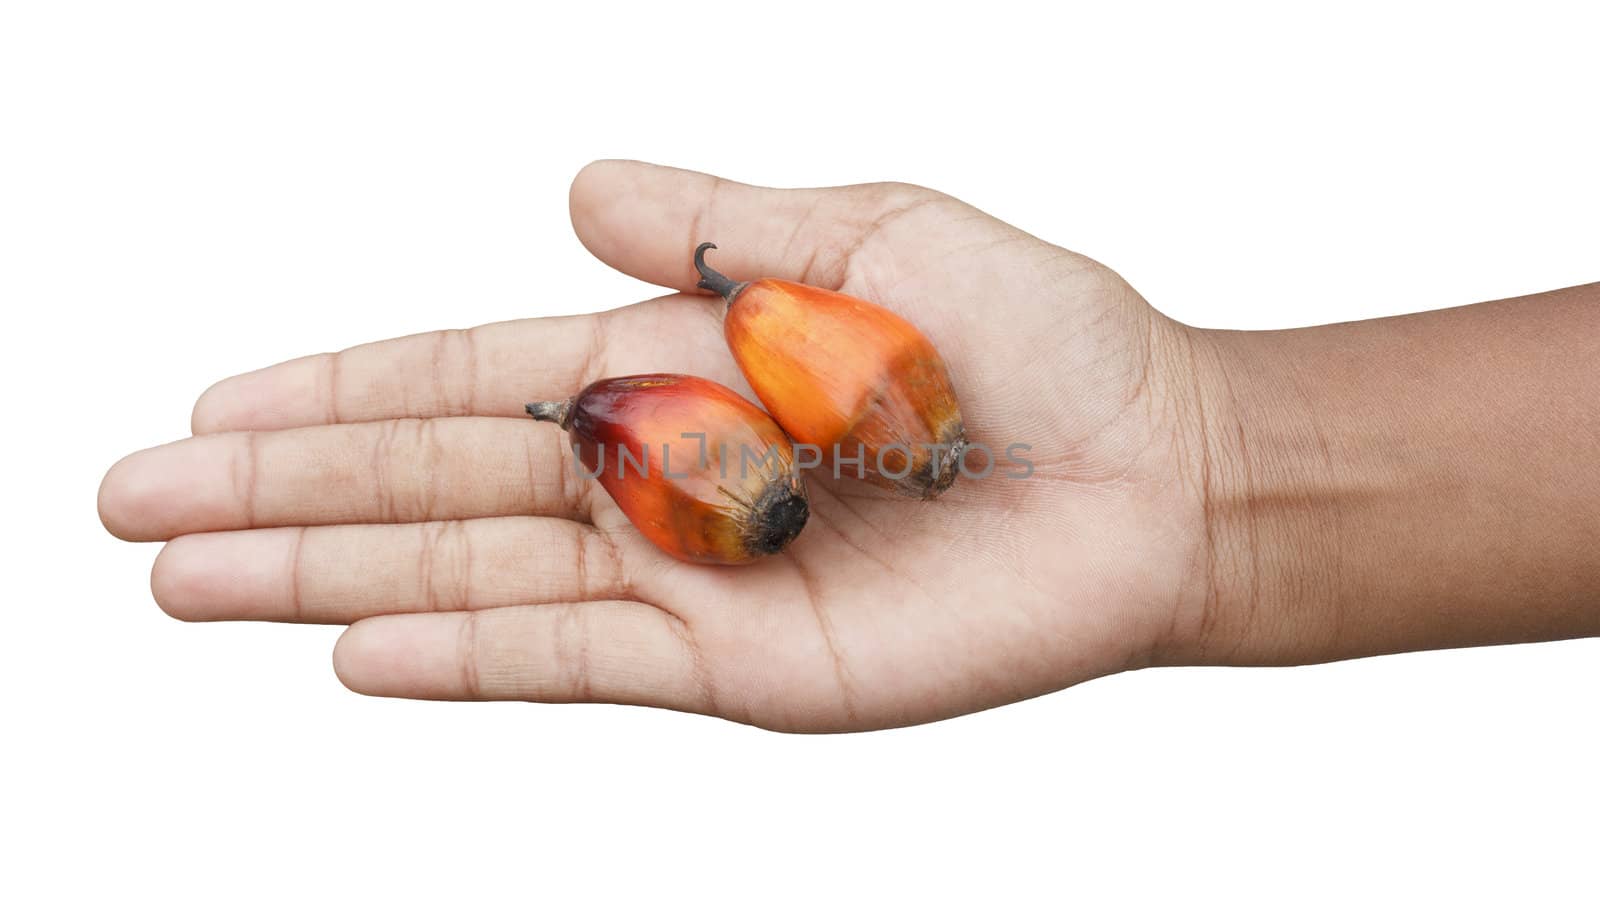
(1415, 482)
(1270, 492)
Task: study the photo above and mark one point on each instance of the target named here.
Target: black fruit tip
(935, 476)
(779, 515)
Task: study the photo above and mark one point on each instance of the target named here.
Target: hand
(397, 487)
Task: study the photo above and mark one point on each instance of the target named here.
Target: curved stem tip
(712, 280)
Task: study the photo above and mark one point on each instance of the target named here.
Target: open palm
(397, 487)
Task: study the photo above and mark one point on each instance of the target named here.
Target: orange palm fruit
(846, 376)
(702, 472)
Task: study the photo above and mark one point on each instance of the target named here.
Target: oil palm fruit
(846, 376)
(702, 472)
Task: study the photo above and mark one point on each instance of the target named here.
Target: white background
(192, 190)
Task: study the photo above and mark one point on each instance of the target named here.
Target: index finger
(487, 371)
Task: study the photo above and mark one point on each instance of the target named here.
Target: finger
(340, 574)
(489, 370)
(389, 471)
(646, 221)
(590, 652)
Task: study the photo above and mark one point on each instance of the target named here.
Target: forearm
(1417, 482)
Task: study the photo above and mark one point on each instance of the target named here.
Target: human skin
(1197, 497)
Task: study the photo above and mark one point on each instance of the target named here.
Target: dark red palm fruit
(834, 370)
(713, 504)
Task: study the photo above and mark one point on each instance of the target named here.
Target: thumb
(645, 220)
